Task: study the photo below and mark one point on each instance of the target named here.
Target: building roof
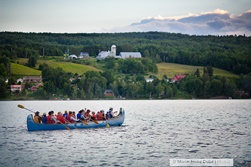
(130, 55)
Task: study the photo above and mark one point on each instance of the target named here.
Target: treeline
(232, 53)
(93, 84)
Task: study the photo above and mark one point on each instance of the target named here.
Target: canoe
(116, 121)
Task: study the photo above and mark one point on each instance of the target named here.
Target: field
(69, 67)
(21, 70)
(170, 69)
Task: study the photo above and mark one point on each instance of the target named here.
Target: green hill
(69, 67)
(21, 70)
(170, 69)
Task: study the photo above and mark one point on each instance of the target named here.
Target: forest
(126, 78)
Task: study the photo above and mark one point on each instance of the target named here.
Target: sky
(200, 17)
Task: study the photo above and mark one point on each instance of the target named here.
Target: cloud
(218, 22)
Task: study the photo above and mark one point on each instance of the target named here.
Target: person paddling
(51, 119)
(70, 117)
(37, 118)
(60, 118)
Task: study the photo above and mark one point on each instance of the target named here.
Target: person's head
(70, 113)
(88, 111)
(37, 113)
(59, 113)
(93, 113)
(44, 114)
(52, 112)
(65, 112)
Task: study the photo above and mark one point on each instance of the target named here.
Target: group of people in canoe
(72, 117)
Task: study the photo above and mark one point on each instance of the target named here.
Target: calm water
(153, 132)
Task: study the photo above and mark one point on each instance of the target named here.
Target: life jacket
(44, 120)
(79, 116)
(49, 120)
(37, 120)
(94, 117)
(61, 118)
(69, 119)
(65, 115)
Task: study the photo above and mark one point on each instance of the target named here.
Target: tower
(113, 50)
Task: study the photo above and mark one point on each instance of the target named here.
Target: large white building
(124, 55)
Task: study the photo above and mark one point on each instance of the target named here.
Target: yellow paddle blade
(107, 125)
(96, 122)
(20, 106)
(65, 126)
(85, 123)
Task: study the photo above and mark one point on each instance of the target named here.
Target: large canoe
(117, 121)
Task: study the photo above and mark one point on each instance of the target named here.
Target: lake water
(154, 131)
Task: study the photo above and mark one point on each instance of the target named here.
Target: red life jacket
(61, 118)
(69, 118)
(49, 120)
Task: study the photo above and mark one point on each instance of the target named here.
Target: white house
(83, 55)
(20, 80)
(72, 57)
(15, 88)
(125, 55)
(103, 55)
(149, 79)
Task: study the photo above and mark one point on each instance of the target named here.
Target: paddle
(22, 107)
(85, 123)
(107, 125)
(66, 126)
(95, 121)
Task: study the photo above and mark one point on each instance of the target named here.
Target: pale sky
(87, 16)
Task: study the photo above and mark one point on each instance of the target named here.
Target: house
(35, 87)
(72, 57)
(149, 79)
(108, 93)
(125, 55)
(20, 80)
(15, 88)
(83, 55)
(178, 77)
(32, 79)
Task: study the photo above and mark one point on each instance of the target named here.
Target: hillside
(231, 53)
(170, 69)
(22, 70)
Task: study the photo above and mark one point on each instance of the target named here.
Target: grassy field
(21, 70)
(66, 66)
(170, 69)
(69, 67)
